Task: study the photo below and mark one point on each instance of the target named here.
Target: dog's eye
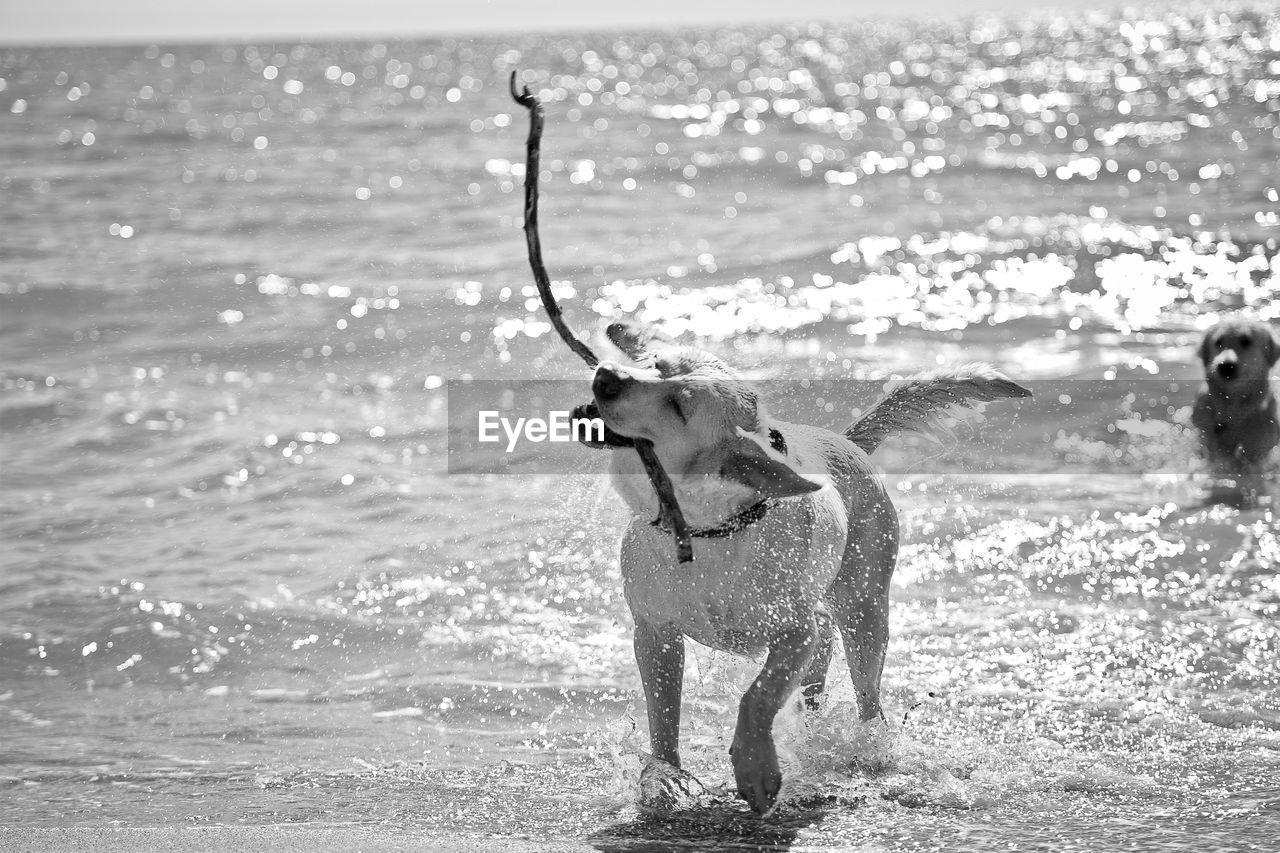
(1245, 342)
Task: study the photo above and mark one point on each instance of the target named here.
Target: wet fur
(923, 398)
(821, 560)
(1235, 415)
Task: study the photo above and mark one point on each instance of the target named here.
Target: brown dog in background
(1236, 413)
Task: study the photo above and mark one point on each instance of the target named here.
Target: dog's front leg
(755, 761)
(1252, 482)
(660, 655)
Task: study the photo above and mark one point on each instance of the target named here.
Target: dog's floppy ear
(768, 473)
(1206, 345)
(635, 340)
(1270, 345)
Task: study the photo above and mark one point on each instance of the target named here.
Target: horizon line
(379, 33)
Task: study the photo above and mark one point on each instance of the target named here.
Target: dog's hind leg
(859, 600)
(660, 656)
(864, 626)
(815, 678)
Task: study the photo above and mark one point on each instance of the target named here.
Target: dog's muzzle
(608, 384)
(1227, 369)
(590, 411)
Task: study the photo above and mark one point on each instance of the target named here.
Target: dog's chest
(1247, 432)
(740, 590)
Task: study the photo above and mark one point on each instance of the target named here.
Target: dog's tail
(919, 402)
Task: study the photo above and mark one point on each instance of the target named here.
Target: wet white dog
(794, 531)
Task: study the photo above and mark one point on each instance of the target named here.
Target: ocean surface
(238, 584)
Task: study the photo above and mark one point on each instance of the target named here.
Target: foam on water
(1096, 271)
(1005, 699)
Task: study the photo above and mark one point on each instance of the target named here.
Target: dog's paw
(756, 772)
(665, 788)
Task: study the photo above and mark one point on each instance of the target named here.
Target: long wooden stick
(669, 513)
(533, 157)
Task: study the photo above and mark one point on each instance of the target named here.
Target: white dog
(794, 532)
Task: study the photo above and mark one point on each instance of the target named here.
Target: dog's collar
(739, 521)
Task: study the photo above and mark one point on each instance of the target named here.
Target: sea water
(240, 586)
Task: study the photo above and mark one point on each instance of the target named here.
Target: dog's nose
(1227, 369)
(608, 384)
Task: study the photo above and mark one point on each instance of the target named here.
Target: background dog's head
(1238, 353)
(702, 417)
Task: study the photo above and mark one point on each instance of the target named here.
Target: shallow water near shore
(240, 588)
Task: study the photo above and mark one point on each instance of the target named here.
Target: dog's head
(1238, 353)
(703, 418)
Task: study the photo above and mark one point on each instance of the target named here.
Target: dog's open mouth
(590, 411)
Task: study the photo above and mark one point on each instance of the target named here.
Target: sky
(116, 21)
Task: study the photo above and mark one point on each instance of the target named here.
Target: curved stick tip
(520, 94)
